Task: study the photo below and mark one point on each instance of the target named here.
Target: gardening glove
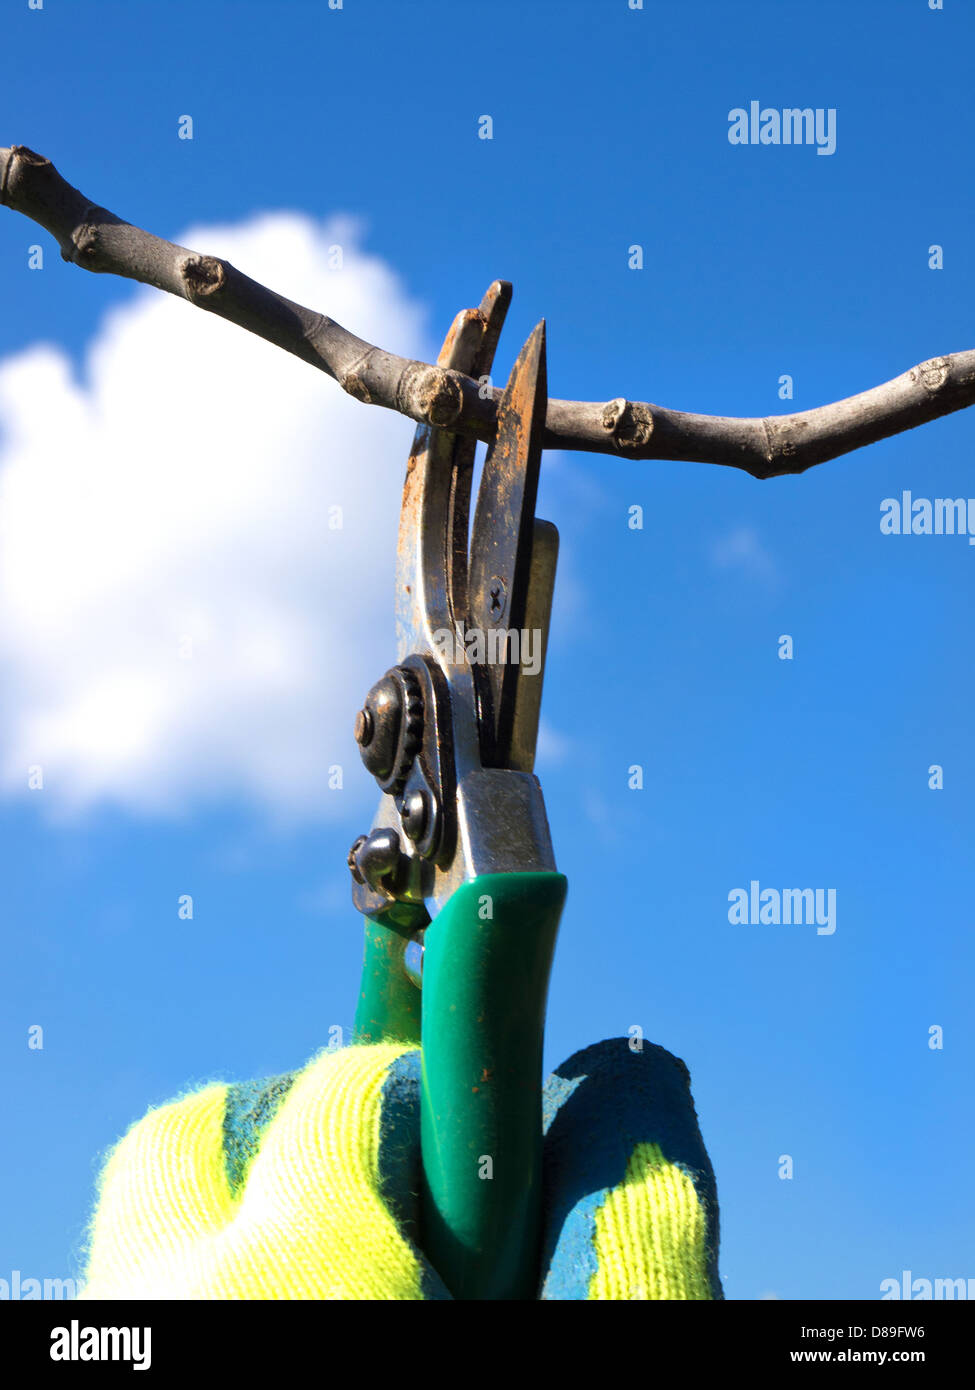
(306, 1186)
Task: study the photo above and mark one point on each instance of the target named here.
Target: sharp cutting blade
(501, 545)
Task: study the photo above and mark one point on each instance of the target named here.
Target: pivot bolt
(389, 728)
(377, 726)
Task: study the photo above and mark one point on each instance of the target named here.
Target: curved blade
(431, 570)
(501, 546)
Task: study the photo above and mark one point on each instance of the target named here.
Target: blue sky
(162, 475)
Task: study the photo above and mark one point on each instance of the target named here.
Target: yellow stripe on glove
(310, 1221)
(306, 1187)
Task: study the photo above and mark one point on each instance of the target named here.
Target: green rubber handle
(486, 965)
(389, 1002)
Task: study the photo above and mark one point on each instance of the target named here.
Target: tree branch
(97, 240)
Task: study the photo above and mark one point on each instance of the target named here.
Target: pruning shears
(457, 878)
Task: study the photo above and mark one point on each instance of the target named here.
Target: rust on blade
(432, 543)
(501, 543)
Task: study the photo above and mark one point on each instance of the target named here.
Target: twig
(97, 240)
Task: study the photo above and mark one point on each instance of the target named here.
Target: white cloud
(180, 491)
(742, 549)
(552, 748)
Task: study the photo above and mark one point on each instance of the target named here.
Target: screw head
(351, 859)
(497, 596)
(378, 859)
(413, 814)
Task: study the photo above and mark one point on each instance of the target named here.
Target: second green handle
(486, 966)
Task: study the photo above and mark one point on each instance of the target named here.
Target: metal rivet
(413, 814)
(351, 859)
(365, 727)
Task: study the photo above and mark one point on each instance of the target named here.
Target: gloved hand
(305, 1186)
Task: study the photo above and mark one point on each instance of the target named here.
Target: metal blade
(499, 571)
(538, 613)
(431, 570)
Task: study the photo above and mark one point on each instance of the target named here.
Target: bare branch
(97, 240)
